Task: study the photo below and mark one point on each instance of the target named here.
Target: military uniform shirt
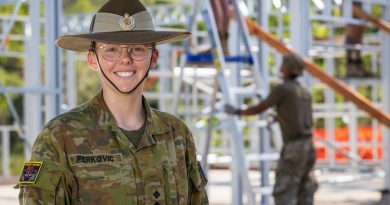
(134, 135)
(88, 160)
(294, 109)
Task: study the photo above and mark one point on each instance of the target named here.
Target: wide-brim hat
(121, 22)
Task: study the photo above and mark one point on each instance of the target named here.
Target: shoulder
(170, 120)
(73, 118)
(52, 136)
(280, 89)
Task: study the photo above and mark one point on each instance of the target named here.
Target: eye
(139, 49)
(111, 49)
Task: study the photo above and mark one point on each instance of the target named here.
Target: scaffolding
(46, 98)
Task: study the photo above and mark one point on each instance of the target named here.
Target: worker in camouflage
(294, 182)
(116, 149)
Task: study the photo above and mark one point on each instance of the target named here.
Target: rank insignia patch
(30, 172)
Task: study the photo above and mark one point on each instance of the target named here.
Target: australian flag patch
(30, 173)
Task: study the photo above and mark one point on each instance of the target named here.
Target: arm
(274, 98)
(196, 178)
(261, 107)
(49, 186)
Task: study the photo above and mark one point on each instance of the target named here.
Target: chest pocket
(160, 175)
(170, 179)
(105, 183)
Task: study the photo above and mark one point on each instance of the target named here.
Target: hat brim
(82, 42)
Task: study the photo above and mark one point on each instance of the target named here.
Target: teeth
(125, 74)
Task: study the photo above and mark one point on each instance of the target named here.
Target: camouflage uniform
(295, 182)
(88, 160)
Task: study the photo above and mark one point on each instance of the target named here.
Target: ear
(92, 62)
(155, 56)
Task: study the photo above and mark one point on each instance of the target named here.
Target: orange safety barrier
(365, 135)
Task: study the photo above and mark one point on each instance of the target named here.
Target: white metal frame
(48, 98)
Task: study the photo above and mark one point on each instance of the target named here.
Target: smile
(125, 74)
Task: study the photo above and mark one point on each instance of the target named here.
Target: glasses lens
(111, 52)
(139, 52)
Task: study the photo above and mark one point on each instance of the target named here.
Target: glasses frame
(128, 49)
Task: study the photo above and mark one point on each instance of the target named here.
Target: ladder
(231, 95)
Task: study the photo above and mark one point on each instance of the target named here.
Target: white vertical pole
(301, 30)
(71, 88)
(265, 7)
(53, 66)
(6, 150)
(385, 42)
(265, 137)
(164, 81)
(330, 120)
(32, 75)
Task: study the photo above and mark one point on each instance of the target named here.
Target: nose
(126, 56)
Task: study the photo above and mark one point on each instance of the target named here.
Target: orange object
(321, 153)
(340, 157)
(342, 134)
(365, 135)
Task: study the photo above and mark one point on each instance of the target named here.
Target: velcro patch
(30, 172)
(95, 159)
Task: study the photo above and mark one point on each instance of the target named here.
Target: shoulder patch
(30, 172)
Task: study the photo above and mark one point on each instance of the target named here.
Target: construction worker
(354, 38)
(115, 149)
(222, 15)
(295, 183)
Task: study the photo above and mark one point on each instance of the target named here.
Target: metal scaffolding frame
(44, 97)
(41, 96)
(385, 41)
(302, 43)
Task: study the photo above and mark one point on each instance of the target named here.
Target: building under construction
(195, 79)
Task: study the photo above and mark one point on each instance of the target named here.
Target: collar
(154, 123)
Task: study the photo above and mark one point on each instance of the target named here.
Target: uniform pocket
(105, 183)
(292, 152)
(170, 184)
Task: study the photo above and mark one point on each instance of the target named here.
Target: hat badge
(127, 23)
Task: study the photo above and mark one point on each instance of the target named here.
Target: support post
(300, 31)
(32, 75)
(265, 166)
(53, 65)
(71, 83)
(386, 100)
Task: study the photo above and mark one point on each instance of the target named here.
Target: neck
(127, 109)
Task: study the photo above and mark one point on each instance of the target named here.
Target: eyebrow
(124, 45)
